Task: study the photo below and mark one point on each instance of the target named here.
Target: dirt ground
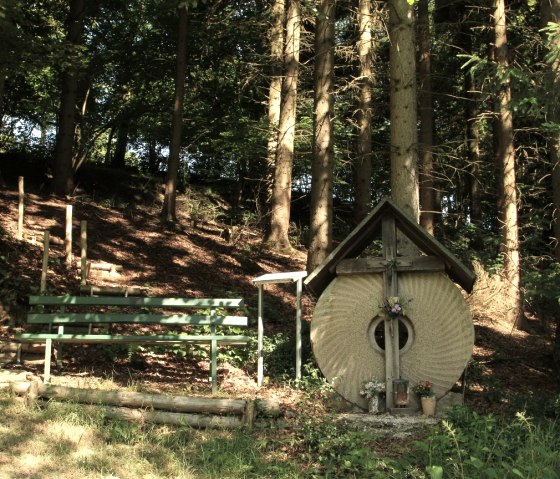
(209, 259)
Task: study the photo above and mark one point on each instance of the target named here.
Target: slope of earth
(207, 256)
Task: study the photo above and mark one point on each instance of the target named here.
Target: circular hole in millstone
(377, 334)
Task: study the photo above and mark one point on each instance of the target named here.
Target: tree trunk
(282, 188)
(404, 137)
(506, 164)
(321, 216)
(362, 165)
(169, 213)
(109, 145)
(2, 85)
(2, 88)
(473, 150)
(118, 159)
(274, 104)
(63, 179)
(550, 12)
(472, 133)
(426, 118)
(153, 159)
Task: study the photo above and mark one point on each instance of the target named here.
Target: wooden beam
(379, 265)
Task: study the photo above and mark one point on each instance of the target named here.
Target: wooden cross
(390, 265)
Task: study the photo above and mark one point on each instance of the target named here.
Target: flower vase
(428, 406)
(373, 404)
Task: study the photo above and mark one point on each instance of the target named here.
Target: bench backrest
(135, 301)
(64, 317)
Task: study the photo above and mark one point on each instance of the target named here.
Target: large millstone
(348, 322)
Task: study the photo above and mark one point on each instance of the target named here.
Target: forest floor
(209, 258)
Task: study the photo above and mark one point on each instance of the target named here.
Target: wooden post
(83, 252)
(260, 334)
(48, 355)
(291, 277)
(68, 238)
(392, 359)
(299, 289)
(214, 356)
(20, 208)
(45, 268)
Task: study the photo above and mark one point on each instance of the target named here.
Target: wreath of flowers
(395, 306)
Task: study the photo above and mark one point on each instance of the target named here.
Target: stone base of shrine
(403, 411)
(388, 424)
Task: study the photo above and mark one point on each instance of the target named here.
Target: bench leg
(214, 365)
(48, 353)
(59, 350)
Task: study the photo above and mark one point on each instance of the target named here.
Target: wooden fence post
(83, 252)
(68, 238)
(20, 208)
(44, 269)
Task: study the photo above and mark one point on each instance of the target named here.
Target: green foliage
(542, 287)
(332, 450)
(469, 445)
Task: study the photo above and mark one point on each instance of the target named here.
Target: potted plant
(371, 390)
(423, 390)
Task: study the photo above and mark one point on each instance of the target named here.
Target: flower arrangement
(395, 306)
(372, 388)
(423, 389)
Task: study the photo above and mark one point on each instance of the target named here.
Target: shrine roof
(364, 234)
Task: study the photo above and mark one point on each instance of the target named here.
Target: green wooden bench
(100, 314)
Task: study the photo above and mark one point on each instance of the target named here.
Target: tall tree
(169, 213)
(362, 164)
(472, 126)
(321, 215)
(426, 111)
(276, 36)
(507, 170)
(282, 187)
(550, 14)
(550, 18)
(63, 172)
(404, 136)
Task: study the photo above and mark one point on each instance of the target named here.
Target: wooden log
(112, 290)
(101, 266)
(268, 408)
(173, 418)
(20, 388)
(144, 400)
(14, 347)
(32, 395)
(57, 241)
(8, 376)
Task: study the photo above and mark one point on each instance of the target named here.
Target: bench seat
(108, 314)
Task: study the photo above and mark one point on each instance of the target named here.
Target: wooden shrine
(354, 340)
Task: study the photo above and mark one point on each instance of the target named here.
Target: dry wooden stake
(68, 238)
(20, 208)
(44, 269)
(83, 252)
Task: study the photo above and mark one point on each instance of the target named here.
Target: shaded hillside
(208, 255)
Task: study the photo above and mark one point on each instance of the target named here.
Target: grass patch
(65, 440)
